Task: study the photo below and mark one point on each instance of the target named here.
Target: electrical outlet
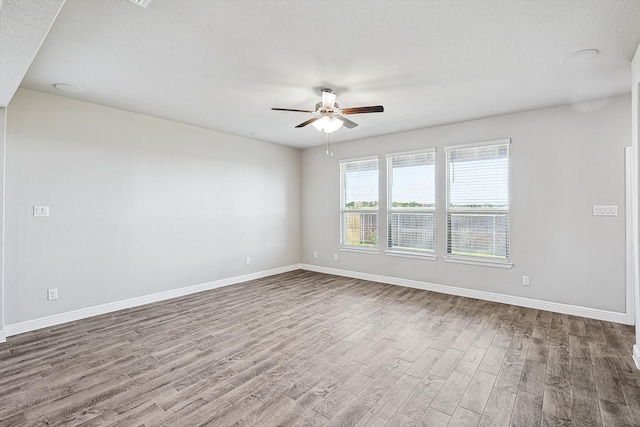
(247, 261)
(52, 294)
(335, 257)
(315, 254)
(525, 280)
(41, 211)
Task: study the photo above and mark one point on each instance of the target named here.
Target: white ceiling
(222, 64)
(23, 27)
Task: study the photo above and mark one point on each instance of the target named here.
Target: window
(478, 202)
(359, 203)
(411, 203)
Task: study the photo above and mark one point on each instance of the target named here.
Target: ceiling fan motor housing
(321, 109)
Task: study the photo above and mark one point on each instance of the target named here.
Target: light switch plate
(608, 210)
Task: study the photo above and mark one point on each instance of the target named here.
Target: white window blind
(478, 201)
(359, 203)
(411, 210)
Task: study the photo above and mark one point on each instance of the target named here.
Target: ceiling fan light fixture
(327, 124)
(328, 117)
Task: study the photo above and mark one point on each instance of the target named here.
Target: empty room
(319, 213)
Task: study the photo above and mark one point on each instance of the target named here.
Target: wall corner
(635, 141)
(3, 145)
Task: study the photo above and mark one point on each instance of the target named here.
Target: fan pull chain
(329, 145)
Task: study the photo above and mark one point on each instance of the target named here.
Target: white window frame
(470, 259)
(343, 211)
(409, 252)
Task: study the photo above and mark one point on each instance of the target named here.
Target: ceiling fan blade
(348, 123)
(360, 110)
(290, 109)
(311, 120)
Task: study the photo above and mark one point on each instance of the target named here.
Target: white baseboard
(592, 313)
(83, 313)
(71, 316)
(636, 355)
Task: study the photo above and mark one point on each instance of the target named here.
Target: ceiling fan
(329, 117)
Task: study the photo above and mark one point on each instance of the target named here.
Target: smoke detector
(67, 88)
(580, 56)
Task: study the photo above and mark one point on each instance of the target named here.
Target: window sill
(358, 249)
(407, 254)
(494, 264)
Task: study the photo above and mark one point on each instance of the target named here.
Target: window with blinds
(411, 202)
(478, 201)
(359, 203)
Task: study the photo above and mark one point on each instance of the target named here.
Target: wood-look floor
(308, 349)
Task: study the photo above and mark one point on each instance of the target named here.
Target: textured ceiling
(223, 64)
(23, 27)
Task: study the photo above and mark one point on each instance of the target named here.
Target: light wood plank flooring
(309, 349)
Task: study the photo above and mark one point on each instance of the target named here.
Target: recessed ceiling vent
(143, 3)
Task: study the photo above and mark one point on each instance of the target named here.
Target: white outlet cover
(605, 210)
(41, 211)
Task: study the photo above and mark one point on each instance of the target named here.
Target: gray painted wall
(138, 205)
(141, 205)
(564, 160)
